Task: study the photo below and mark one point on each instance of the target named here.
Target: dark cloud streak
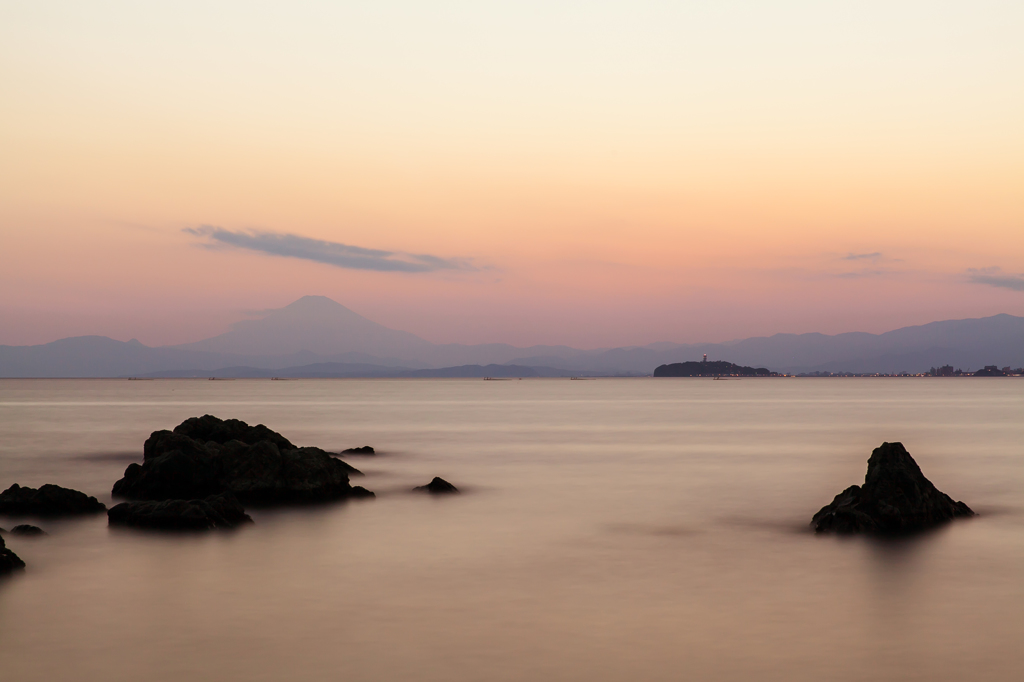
(330, 253)
(863, 256)
(994, 277)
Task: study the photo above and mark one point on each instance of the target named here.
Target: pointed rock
(438, 486)
(895, 498)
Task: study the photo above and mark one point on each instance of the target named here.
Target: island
(714, 368)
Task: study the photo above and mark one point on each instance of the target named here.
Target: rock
(209, 428)
(27, 530)
(265, 468)
(896, 498)
(352, 471)
(438, 486)
(214, 512)
(365, 450)
(9, 561)
(49, 500)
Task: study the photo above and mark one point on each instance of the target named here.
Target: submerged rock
(9, 561)
(437, 486)
(27, 530)
(895, 498)
(48, 500)
(214, 512)
(365, 450)
(207, 456)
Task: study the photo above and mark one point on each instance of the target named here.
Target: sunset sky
(588, 173)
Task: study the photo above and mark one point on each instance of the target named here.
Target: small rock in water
(48, 500)
(27, 530)
(214, 512)
(437, 486)
(365, 450)
(895, 498)
(9, 561)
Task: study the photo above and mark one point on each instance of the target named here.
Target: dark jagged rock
(48, 500)
(365, 450)
(263, 469)
(352, 471)
(896, 498)
(438, 486)
(209, 428)
(27, 530)
(9, 561)
(214, 512)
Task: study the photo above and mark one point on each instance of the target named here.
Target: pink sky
(604, 175)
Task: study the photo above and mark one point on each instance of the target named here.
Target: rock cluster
(207, 456)
(365, 450)
(48, 500)
(438, 486)
(896, 498)
(214, 512)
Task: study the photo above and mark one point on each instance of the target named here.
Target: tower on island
(705, 358)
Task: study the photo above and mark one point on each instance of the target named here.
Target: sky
(585, 173)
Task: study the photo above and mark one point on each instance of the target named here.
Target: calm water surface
(609, 530)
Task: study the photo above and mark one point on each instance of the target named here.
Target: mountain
(320, 337)
(971, 343)
(94, 356)
(313, 324)
(319, 325)
(99, 356)
(341, 370)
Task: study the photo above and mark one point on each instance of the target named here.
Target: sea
(607, 529)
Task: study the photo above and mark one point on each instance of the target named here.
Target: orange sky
(612, 173)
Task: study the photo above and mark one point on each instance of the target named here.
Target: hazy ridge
(317, 337)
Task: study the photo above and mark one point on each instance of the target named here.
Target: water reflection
(614, 530)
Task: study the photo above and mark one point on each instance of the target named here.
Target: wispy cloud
(863, 256)
(873, 264)
(867, 272)
(331, 253)
(995, 277)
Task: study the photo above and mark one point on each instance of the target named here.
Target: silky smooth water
(632, 529)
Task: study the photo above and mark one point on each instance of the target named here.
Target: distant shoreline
(558, 378)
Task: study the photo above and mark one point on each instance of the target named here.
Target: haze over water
(608, 530)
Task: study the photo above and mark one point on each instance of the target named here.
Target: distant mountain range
(317, 337)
